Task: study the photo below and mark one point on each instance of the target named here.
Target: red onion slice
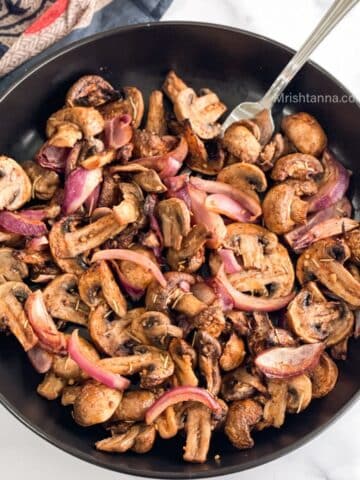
(138, 258)
(225, 205)
(248, 303)
(96, 372)
(92, 200)
(43, 325)
(16, 223)
(211, 186)
(79, 185)
(286, 362)
(333, 185)
(231, 265)
(53, 158)
(37, 244)
(169, 164)
(182, 394)
(118, 131)
(212, 221)
(40, 359)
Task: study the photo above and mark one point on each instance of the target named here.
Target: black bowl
(239, 66)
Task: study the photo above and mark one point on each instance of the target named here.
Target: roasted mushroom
(45, 182)
(175, 221)
(154, 328)
(244, 176)
(90, 91)
(11, 267)
(209, 352)
(241, 384)
(133, 406)
(15, 185)
(131, 103)
(243, 415)
(191, 254)
(300, 166)
(51, 387)
(275, 406)
(233, 353)
(323, 376)
(139, 438)
(299, 394)
(242, 143)
(89, 121)
(184, 358)
(198, 433)
(156, 118)
(305, 133)
(315, 319)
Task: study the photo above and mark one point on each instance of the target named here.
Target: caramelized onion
(285, 362)
(118, 131)
(53, 158)
(17, 223)
(225, 205)
(231, 265)
(79, 185)
(182, 394)
(98, 373)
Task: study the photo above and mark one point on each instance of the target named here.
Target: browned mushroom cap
(12, 298)
(147, 144)
(191, 255)
(156, 118)
(89, 120)
(299, 393)
(90, 91)
(210, 319)
(198, 433)
(243, 415)
(340, 350)
(303, 187)
(300, 166)
(69, 395)
(324, 260)
(96, 403)
(139, 438)
(51, 387)
(245, 176)
(173, 85)
(184, 358)
(154, 365)
(352, 240)
(45, 182)
(110, 333)
(131, 103)
(128, 210)
(135, 275)
(242, 143)
(209, 351)
(305, 133)
(202, 112)
(265, 124)
(134, 405)
(66, 135)
(149, 181)
(154, 328)
(283, 209)
(314, 319)
(278, 146)
(15, 185)
(12, 268)
(175, 221)
(63, 302)
(275, 406)
(324, 376)
(233, 353)
(241, 384)
(208, 161)
(98, 283)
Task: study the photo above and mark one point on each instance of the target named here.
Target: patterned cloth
(29, 27)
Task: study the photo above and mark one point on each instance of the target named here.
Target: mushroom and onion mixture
(166, 279)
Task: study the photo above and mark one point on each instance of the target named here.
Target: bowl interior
(238, 66)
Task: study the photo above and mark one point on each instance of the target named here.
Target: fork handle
(331, 18)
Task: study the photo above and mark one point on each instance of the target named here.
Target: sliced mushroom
(154, 328)
(352, 240)
(150, 181)
(324, 376)
(242, 143)
(11, 267)
(63, 302)
(244, 176)
(233, 353)
(51, 387)
(276, 148)
(283, 209)
(69, 395)
(128, 210)
(209, 352)
(184, 358)
(145, 439)
(65, 135)
(139, 438)
(243, 415)
(148, 144)
(314, 319)
(300, 166)
(110, 333)
(89, 120)
(175, 221)
(45, 182)
(299, 393)
(96, 403)
(324, 260)
(135, 275)
(155, 366)
(131, 103)
(90, 91)
(134, 405)
(198, 433)
(156, 118)
(275, 407)
(211, 320)
(173, 85)
(305, 133)
(191, 254)
(15, 185)
(202, 112)
(241, 384)
(12, 315)
(168, 423)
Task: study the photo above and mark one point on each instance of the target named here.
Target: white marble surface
(334, 455)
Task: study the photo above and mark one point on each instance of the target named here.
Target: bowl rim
(24, 73)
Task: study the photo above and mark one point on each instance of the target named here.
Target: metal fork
(331, 18)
